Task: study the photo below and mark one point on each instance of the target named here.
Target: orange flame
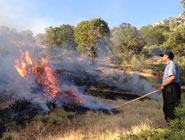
(22, 67)
(72, 95)
(43, 75)
(28, 59)
(50, 80)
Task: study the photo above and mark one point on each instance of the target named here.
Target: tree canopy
(87, 33)
(155, 34)
(126, 38)
(60, 36)
(176, 41)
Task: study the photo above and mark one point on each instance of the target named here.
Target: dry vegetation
(60, 125)
(97, 125)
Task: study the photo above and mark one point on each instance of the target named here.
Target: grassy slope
(98, 125)
(135, 117)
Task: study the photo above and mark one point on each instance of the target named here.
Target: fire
(22, 67)
(72, 96)
(44, 77)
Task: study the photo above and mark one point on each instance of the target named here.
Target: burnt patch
(17, 115)
(75, 108)
(22, 112)
(79, 109)
(112, 94)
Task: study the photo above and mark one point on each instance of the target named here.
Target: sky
(36, 15)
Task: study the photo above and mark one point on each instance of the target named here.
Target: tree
(60, 36)
(126, 38)
(67, 32)
(87, 33)
(27, 36)
(40, 39)
(144, 31)
(52, 36)
(155, 34)
(176, 41)
(174, 25)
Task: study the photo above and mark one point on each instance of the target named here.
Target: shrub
(17, 115)
(137, 62)
(7, 137)
(57, 116)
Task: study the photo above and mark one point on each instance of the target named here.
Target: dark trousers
(171, 98)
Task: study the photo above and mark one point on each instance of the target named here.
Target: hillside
(180, 19)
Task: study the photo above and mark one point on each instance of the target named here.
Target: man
(170, 88)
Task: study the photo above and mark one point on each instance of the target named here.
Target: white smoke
(14, 86)
(78, 64)
(22, 16)
(131, 83)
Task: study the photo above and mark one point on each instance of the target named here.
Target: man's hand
(169, 81)
(157, 75)
(161, 88)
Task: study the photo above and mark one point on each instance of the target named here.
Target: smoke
(133, 83)
(101, 71)
(68, 64)
(13, 86)
(103, 47)
(22, 16)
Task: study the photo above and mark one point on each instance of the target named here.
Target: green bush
(137, 62)
(57, 116)
(156, 134)
(177, 126)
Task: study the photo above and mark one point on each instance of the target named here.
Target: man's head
(167, 55)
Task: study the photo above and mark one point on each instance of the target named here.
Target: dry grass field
(133, 118)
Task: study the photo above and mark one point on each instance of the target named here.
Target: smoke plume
(12, 85)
